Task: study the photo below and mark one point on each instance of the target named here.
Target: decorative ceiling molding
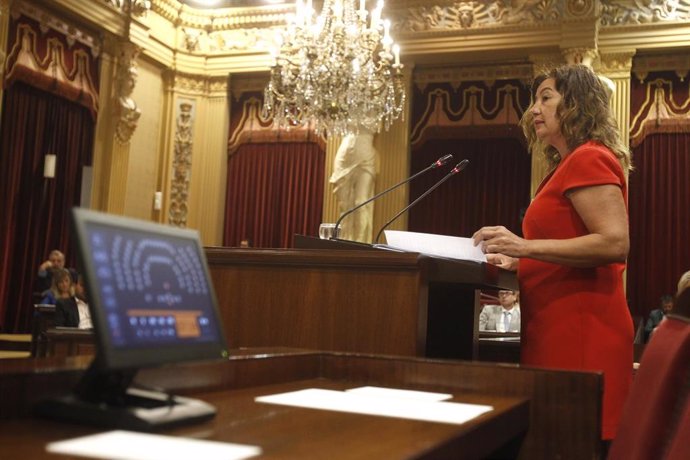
(221, 18)
(195, 85)
(633, 12)
(452, 16)
(222, 41)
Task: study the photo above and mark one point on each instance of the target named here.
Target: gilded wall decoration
(442, 110)
(643, 65)
(45, 60)
(487, 74)
(182, 164)
(126, 107)
(623, 13)
(449, 16)
(663, 107)
(47, 22)
(250, 126)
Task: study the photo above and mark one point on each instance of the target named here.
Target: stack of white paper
(453, 247)
(368, 402)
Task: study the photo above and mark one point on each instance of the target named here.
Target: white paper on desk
(412, 409)
(380, 392)
(453, 247)
(128, 445)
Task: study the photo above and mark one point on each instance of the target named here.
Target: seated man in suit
(74, 311)
(656, 315)
(501, 318)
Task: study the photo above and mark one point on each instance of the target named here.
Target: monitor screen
(149, 292)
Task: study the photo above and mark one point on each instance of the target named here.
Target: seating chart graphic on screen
(149, 289)
(153, 288)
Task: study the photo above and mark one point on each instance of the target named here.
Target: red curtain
(659, 219)
(34, 212)
(274, 191)
(493, 190)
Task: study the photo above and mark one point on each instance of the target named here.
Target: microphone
(436, 164)
(458, 167)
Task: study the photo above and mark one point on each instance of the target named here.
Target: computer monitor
(152, 303)
(150, 293)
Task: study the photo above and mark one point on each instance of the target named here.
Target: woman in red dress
(570, 262)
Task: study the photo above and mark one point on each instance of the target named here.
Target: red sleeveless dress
(576, 318)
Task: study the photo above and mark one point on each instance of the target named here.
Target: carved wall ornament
(125, 106)
(182, 164)
(135, 7)
(610, 63)
(622, 13)
(475, 15)
(584, 56)
(140, 7)
(197, 85)
(579, 8)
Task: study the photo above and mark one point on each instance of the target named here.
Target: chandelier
(340, 71)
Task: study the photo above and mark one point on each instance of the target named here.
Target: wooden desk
(559, 410)
(69, 341)
(368, 301)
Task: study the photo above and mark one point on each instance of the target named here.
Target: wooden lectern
(357, 300)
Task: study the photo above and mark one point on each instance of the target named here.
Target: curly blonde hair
(683, 283)
(584, 114)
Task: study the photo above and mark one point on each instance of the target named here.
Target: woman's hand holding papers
(497, 242)
(503, 261)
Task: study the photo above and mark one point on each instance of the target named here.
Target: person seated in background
(61, 287)
(658, 314)
(501, 318)
(74, 311)
(56, 261)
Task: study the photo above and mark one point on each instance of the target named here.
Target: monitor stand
(106, 399)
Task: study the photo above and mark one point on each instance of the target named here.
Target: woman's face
(63, 285)
(546, 122)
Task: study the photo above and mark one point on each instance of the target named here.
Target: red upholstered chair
(658, 391)
(680, 446)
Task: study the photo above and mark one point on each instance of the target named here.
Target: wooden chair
(657, 392)
(44, 318)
